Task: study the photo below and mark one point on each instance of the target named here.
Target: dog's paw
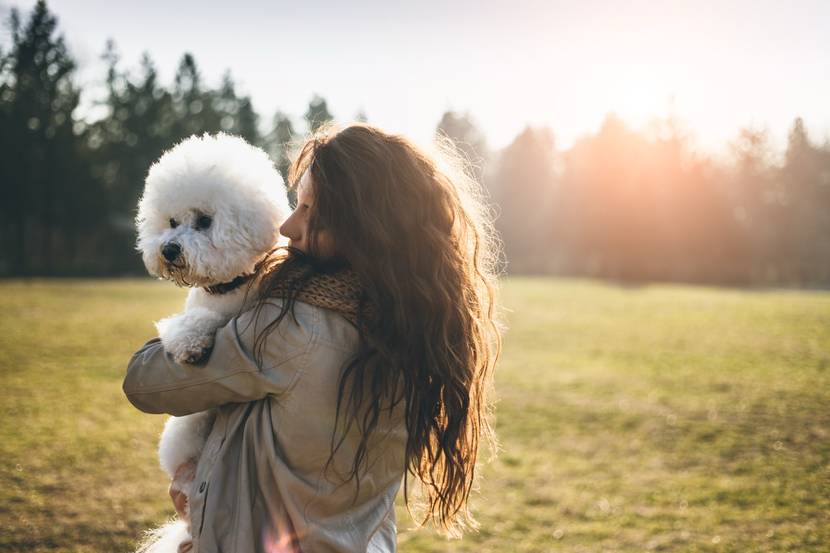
(191, 349)
(193, 357)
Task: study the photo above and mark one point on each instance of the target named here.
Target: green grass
(666, 418)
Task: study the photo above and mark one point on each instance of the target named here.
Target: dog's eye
(203, 222)
(173, 223)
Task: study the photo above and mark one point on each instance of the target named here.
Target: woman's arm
(155, 383)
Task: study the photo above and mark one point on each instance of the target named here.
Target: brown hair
(420, 240)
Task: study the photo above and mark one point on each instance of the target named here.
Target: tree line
(619, 204)
(70, 188)
(642, 206)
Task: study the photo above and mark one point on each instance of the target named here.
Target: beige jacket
(261, 486)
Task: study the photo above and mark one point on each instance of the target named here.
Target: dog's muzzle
(171, 251)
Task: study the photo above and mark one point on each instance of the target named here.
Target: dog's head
(211, 208)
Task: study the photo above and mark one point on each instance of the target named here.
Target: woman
(366, 359)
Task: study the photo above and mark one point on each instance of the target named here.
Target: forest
(631, 205)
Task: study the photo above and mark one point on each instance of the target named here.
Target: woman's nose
(289, 229)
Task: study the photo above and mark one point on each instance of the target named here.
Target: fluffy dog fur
(211, 209)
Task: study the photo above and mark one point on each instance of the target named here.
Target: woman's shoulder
(324, 302)
(332, 328)
(322, 326)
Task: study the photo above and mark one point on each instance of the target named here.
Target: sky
(715, 66)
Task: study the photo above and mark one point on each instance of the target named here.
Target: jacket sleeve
(155, 383)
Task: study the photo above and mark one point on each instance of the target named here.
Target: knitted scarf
(338, 291)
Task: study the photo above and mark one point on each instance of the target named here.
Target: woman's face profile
(296, 227)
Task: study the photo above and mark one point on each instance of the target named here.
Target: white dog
(211, 209)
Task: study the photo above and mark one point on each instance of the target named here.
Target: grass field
(661, 418)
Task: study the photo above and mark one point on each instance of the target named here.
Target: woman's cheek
(325, 244)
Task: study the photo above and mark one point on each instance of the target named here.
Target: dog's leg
(189, 336)
(183, 439)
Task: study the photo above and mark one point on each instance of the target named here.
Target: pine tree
(805, 196)
(279, 143)
(247, 122)
(192, 105)
(41, 176)
(237, 115)
(523, 186)
(317, 114)
(467, 138)
(138, 127)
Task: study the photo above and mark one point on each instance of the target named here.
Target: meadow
(653, 418)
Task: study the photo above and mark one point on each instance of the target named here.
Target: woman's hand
(181, 480)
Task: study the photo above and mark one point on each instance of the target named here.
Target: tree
(317, 113)
(467, 138)
(193, 106)
(42, 173)
(751, 187)
(524, 187)
(280, 141)
(247, 121)
(236, 115)
(637, 206)
(140, 124)
(801, 192)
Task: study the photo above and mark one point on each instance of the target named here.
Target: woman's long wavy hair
(415, 229)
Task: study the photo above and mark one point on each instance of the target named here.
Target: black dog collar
(225, 287)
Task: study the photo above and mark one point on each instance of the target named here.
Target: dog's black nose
(171, 251)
